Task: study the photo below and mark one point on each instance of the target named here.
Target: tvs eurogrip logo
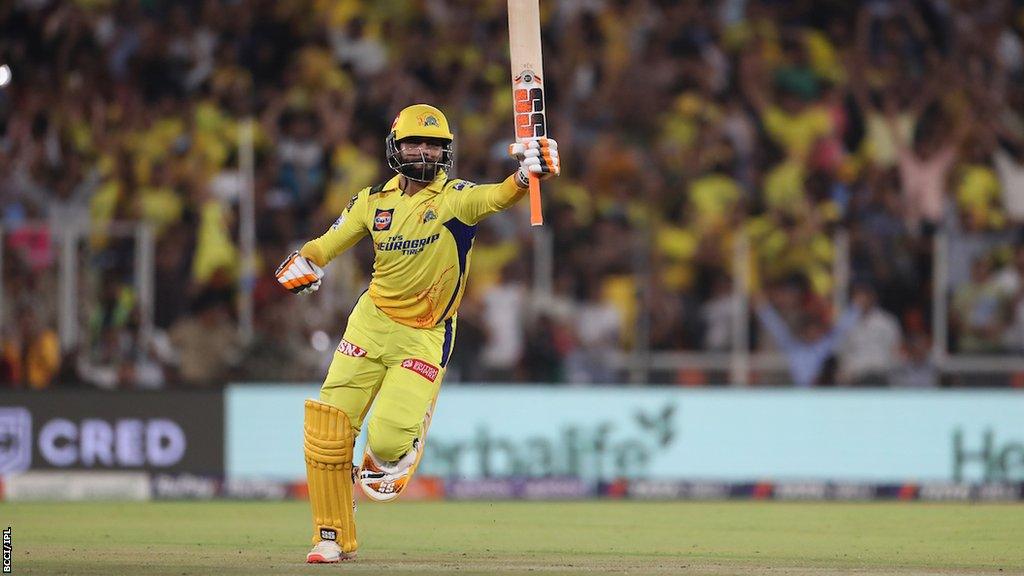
(422, 368)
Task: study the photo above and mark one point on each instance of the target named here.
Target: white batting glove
(299, 274)
(538, 156)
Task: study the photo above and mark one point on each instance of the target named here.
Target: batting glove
(538, 156)
(299, 274)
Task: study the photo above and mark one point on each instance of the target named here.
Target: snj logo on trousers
(422, 368)
(349, 349)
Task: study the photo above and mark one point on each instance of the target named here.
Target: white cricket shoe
(385, 481)
(328, 552)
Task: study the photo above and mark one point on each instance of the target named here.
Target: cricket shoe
(328, 552)
(385, 481)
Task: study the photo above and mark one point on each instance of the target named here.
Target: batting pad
(328, 447)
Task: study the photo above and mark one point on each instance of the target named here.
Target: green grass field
(226, 538)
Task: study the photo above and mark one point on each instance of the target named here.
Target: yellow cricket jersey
(422, 242)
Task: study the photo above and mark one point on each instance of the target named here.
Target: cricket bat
(527, 84)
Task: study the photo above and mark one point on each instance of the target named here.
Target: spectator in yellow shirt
(30, 358)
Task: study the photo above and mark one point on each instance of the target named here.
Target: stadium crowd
(684, 128)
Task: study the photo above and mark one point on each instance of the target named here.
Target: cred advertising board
(649, 433)
(93, 430)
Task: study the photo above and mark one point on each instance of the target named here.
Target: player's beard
(423, 171)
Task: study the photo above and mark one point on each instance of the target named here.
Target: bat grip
(536, 214)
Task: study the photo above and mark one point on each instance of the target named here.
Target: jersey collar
(433, 188)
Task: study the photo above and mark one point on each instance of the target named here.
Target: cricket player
(401, 332)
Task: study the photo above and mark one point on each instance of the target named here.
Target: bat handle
(536, 214)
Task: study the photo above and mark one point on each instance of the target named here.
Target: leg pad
(328, 443)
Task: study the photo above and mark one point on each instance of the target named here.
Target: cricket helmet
(420, 121)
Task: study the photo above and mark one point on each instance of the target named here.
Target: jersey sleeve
(348, 229)
(472, 203)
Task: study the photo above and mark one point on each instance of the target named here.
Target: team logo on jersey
(429, 215)
(420, 367)
(382, 219)
(349, 349)
(428, 120)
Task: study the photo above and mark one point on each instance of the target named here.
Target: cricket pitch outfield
(621, 537)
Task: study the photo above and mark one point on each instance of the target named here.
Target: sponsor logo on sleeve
(349, 349)
(462, 185)
(422, 368)
(382, 219)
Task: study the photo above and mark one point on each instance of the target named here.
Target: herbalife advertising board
(650, 433)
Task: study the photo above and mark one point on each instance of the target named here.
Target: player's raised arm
(538, 157)
(302, 270)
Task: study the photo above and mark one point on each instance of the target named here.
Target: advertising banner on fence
(600, 434)
(95, 430)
